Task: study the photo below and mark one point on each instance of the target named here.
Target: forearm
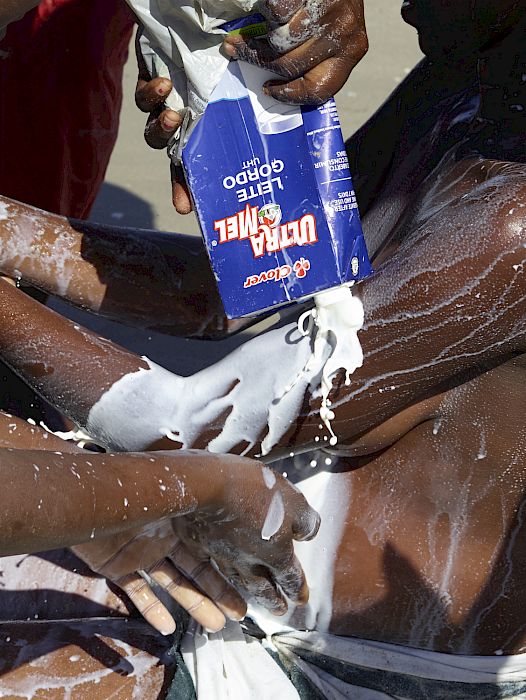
(67, 365)
(146, 279)
(51, 499)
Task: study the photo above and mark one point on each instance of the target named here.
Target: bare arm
(54, 499)
(57, 499)
(151, 280)
(445, 305)
(133, 512)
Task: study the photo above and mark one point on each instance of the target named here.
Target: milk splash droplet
(274, 518)
(269, 477)
(334, 323)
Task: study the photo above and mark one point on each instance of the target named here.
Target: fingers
(181, 198)
(292, 64)
(315, 87)
(150, 94)
(314, 44)
(210, 581)
(292, 582)
(160, 127)
(282, 39)
(187, 596)
(147, 603)
(260, 586)
(269, 587)
(162, 123)
(306, 522)
(269, 584)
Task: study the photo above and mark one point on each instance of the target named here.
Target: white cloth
(228, 665)
(394, 658)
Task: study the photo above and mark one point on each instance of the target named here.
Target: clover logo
(301, 267)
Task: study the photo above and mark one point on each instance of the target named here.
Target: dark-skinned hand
(313, 44)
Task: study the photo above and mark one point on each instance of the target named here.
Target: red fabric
(60, 98)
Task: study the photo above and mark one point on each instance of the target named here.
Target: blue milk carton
(273, 193)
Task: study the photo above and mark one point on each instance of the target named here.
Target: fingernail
(214, 631)
(236, 617)
(276, 607)
(167, 629)
(234, 614)
(314, 526)
(170, 123)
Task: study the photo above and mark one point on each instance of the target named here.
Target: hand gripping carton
(273, 193)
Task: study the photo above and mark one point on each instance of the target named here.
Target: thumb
(306, 522)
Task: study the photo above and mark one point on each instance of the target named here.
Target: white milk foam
(337, 317)
(248, 395)
(78, 436)
(329, 494)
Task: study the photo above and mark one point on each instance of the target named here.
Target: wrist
(215, 481)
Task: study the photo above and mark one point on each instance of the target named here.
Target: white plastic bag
(182, 41)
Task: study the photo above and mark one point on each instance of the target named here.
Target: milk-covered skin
(447, 306)
(422, 544)
(159, 281)
(331, 344)
(126, 521)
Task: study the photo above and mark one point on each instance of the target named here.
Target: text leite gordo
(259, 180)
